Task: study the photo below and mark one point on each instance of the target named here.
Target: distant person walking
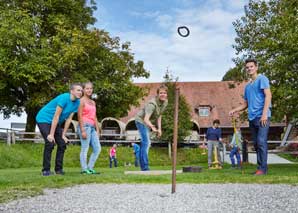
(257, 98)
(88, 130)
(136, 152)
(147, 119)
(49, 121)
(113, 156)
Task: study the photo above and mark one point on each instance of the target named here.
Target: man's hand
(51, 138)
(153, 128)
(65, 139)
(264, 120)
(231, 113)
(159, 133)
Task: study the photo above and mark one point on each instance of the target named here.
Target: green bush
(27, 155)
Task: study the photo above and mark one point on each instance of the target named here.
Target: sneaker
(60, 172)
(259, 172)
(86, 172)
(92, 171)
(46, 173)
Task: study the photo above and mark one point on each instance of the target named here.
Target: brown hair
(251, 60)
(162, 87)
(73, 85)
(216, 121)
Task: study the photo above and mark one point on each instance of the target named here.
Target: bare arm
(80, 118)
(66, 126)
(159, 126)
(148, 122)
(239, 108)
(54, 124)
(268, 97)
(96, 125)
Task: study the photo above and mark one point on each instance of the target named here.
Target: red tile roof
(218, 95)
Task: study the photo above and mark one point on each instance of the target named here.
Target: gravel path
(158, 198)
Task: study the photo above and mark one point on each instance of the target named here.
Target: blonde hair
(86, 83)
(162, 87)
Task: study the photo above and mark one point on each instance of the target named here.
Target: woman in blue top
(49, 121)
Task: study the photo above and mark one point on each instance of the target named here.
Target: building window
(204, 111)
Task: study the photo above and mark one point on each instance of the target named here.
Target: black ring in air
(183, 28)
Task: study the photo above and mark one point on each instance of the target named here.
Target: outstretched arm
(239, 108)
(54, 124)
(159, 132)
(148, 122)
(66, 126)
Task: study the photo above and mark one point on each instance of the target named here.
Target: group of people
(257, 98)
(215, 141)
(60, 110)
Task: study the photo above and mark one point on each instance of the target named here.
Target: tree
(269, 33)
(46, 45)
(184, 117)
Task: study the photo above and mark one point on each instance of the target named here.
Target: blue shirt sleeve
(245, 93)
(62, 101)
(264, 82)
(207, 134)
(219, 133)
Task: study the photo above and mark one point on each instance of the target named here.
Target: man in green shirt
(146, 119)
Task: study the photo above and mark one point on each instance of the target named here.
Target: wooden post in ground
(8, 140)
(13, 137)
(175, 138)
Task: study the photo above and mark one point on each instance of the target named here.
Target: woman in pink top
(88, 130)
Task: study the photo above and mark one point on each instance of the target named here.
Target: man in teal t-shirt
(257, 98)
(49, 121)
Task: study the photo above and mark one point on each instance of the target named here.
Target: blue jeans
(137, 159)
(260, 135)
(235, 152)
(144, 146)
(113, 158)
(93, 140)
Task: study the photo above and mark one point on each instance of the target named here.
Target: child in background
(113, 157)
(136, 152)
(236, 146)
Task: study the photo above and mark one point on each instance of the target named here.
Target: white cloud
(164, 21)
(203, 56)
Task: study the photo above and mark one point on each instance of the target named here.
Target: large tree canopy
(46, 45)
(269, 33)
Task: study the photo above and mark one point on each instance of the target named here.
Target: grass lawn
(25, 179)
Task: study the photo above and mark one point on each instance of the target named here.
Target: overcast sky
(151, 27)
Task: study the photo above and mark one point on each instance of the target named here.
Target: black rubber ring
(183, 28)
